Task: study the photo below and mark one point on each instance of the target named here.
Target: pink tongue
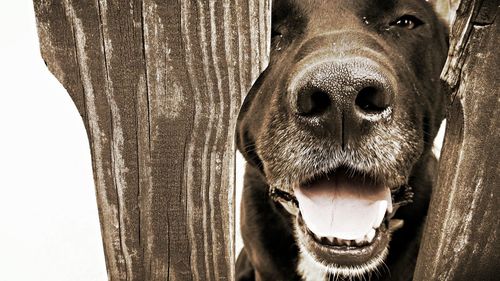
(339, 209)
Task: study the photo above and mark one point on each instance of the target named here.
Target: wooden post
(159, 85)
(461, 238)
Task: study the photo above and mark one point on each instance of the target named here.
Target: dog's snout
(356, 88)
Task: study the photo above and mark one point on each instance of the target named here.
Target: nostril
(372, 100)
(313, 102)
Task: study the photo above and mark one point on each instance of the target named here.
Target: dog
(337, 134)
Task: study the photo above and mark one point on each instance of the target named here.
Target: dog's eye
(408, 22)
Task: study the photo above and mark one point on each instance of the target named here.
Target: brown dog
(335, 132)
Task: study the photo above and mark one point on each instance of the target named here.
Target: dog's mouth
(344, 218)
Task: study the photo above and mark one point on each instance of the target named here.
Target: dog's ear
(248, 124)
(444, 10)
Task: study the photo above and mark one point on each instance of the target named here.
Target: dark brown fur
(281, 149)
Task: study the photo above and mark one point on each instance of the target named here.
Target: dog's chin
(311, 269)
(337, 257)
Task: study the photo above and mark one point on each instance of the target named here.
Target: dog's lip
(366, 256)
(348, 256)
(283, 191)
(346, 169)
(345, 256)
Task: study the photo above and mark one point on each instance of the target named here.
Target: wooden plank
(461, 237)
(159, 85)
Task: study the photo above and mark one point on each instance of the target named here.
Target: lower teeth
(343, 242)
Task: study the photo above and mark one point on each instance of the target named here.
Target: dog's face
(350, 102)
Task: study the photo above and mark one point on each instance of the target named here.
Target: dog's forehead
(341, 10)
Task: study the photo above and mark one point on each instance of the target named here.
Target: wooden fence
(159, 84)
(461, 237)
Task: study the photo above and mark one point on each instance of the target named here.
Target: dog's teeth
(331, 239)
(370, 235)
(382, 207)
(347, 242)
(359, 241)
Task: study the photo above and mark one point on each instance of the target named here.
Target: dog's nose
(357, 89)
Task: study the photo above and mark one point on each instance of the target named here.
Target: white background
(49, 227)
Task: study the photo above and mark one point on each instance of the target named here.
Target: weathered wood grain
(158, 85)
(461, 239)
